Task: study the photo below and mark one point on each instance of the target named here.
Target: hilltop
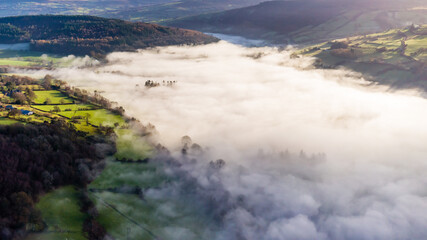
(81, 35)
(397, 57)
(309, 21)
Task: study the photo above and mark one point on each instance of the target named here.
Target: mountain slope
(146, 11)
(397, 58)
(91, 35)
(178, 9)
(302, 21)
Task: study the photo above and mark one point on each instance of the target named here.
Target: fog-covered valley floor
(309, 154)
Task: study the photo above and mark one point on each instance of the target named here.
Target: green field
(66, 107)
(29, 58)
(131, 146)
(163, 216)
(15, 63)
(54, 96)
(96, 117)
(61, 212)
(118, 174)
(7, 121)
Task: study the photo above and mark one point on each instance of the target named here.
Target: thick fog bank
(309, 154)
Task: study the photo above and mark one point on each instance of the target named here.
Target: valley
(279, 120)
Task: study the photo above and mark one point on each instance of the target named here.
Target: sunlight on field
(55, 97)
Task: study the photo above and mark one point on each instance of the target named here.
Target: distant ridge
(82, 35)
(308, 21)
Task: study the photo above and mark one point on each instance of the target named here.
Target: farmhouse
(26, 112)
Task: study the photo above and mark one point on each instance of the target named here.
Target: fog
(309, 154)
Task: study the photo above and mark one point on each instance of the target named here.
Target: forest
(87, 35)
(36, 159)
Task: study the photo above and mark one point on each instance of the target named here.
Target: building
(26, 112)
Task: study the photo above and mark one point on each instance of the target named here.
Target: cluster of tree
(344, 53)
(35, 159)
(11, 34)
(17, 89)
(150, 84)
(339, 45)
(83, 35)
(15, 81)
(91, 227)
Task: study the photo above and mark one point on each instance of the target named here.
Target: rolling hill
(82, 35)
(308, 21)
(396, 58)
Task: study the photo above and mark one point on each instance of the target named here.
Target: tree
(47, 82)
(19, 97)
(14, 112)
(47, 101)
(339, 45)
(22, 205)
(56, 109)
(87, 116)
(30, 93)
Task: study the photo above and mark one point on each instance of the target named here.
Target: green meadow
(61, 212)
(7, 121)
(65, 107)
(96, 117)
(54, 96)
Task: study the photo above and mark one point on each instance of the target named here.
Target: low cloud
(309, 154)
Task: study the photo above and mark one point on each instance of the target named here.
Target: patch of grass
(131, 146)
(96, 117)
(118, 174)
(65, 107)
(54, 96)
(164, 218)
(61, 212)
(7, 121)
(17, 63)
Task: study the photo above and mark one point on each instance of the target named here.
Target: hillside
(309, 20)
(82, 35)
(177, 9)
(397, 58)
(146, 11)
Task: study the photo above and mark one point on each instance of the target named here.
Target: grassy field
(164, 219)
(131, 146)
(96, 117)
(61, 212)
(7, 121)
(65, 107)
(118, 174)
(28, 58)
(54, 96)
(120, 211)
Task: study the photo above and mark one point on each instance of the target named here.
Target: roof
(25, 112)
